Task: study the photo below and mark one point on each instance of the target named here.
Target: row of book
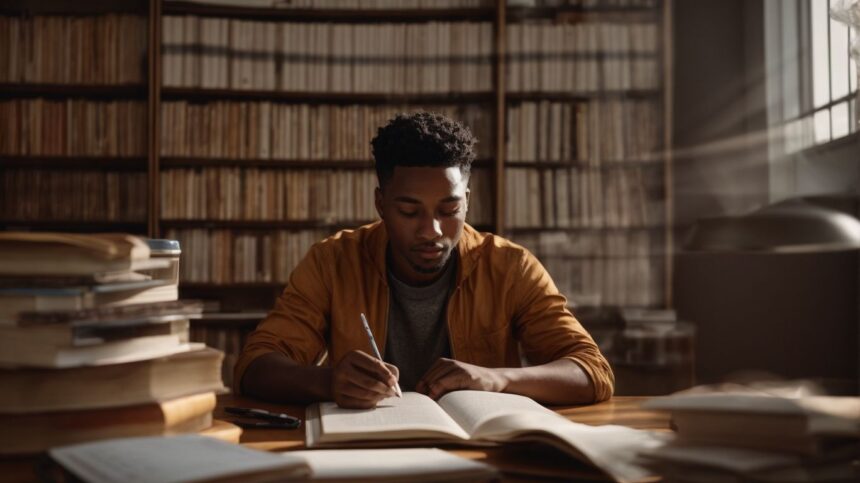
(429, 4)
(265, 130)
(583, 198)
(434, 57)
(425, 4)
(582, 57)
(586, 3)
(593, 132)
(98, 49)
(72, 127)
(383, 4)
(220, 256)
(600, 269)
(322, 195)
(94, 343)
(327, 196)
(29, 194)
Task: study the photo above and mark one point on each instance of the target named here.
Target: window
(811, 77)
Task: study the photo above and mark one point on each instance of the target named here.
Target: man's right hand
(361, 380)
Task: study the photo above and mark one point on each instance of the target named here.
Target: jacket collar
(376, 241)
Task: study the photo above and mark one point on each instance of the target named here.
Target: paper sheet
(168, 460)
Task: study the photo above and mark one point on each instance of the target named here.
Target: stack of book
(759, 436)
(94, 343)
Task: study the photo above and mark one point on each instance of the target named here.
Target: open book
(198, 459)
(478, 418)
(33, 254)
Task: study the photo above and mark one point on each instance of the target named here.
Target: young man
(446, 304)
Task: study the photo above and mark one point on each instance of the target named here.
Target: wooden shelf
(75, 162)
(230, 286)
(594, 229)
(60, 7)
(579, 13)
(92, 91)
(603, 164)
(561, 256)
(196, 162)
(297, 97)
(263, 224)
(330, 15)
(75, 225)
(582, 96)
(249, 323)
(350, 164)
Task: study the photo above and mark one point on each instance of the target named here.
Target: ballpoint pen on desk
(376, 350)
(269, 419)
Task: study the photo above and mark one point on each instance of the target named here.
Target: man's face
(424, 210)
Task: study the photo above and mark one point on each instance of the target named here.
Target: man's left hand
(448, 375)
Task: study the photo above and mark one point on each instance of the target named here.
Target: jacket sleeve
(298, 324)
(548, 331)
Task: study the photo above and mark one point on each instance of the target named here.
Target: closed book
(66, 335)
(29, 253)
(30, 433)
(34, 354)
(131, 314)
(807, 425)
(14, 301)
(29, 390)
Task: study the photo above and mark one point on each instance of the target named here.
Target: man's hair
(422, 139)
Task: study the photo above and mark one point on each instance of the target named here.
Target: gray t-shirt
(417, 325)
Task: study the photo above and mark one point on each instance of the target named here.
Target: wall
(795, 316)
(719, 108)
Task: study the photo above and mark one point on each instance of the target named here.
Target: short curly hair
(422, 139)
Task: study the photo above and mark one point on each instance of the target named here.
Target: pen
(270, 419)
(376, 350)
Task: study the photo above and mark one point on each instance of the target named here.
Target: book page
(413, 415)
(470, 409)
(170, 460)
(416, 464)
(611, 448)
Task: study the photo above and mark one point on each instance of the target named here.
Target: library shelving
(245, 131)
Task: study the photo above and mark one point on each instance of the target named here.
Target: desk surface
(619, 410)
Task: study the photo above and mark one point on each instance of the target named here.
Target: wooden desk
(619, 410)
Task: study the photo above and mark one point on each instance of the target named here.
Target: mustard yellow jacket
(503, 295)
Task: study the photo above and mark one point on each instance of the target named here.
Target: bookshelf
(74, 143)
(229, 101)
(587, 143)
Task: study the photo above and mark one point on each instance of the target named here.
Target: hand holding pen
(360, 380)
(376, 351)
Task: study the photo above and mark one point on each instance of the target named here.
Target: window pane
(792, 136)
(822, 126)
(838, 59)
(840, 120)
(852, 116)
(790, 60)
(852, 64)
(820, 57)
